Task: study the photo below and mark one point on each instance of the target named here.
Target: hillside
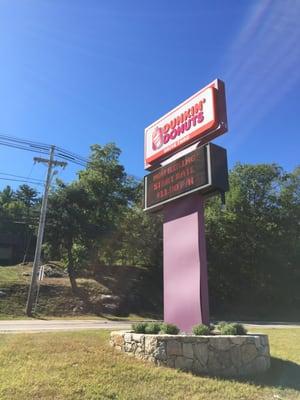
(116, 291)
(112, 292)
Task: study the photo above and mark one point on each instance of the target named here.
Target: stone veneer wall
(214, 355)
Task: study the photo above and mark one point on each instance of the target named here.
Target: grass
(56, 299)
(81, 365)
(10, 275)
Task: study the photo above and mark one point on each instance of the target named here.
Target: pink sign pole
(185, 266)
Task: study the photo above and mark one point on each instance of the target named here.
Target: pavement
(21, 326)
(262, 324)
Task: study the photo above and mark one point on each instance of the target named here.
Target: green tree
(247, 242)
(26, 195)
(18, 216)
(68, 223)
(88, 210)
(137, 241)
(6, 196)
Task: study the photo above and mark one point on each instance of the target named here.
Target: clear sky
(78, 72)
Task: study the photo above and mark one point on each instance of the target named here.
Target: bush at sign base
(201, 329)
(169, 329)
(233, 329)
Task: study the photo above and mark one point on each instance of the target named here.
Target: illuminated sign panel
(186, 173)
(203, 170)
(200, 118)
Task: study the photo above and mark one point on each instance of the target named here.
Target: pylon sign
(200, 118)
(186, 168)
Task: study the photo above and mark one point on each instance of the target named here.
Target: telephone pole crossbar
(37, 256)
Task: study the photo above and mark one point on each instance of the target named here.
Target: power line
(29, 145)
(23, 177)
(22, 180)
(43, 148)
(31, 169)
(83, 159)
(21, 147)
(71, 159)
(16, 139)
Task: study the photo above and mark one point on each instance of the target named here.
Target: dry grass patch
(81, 365)
(57, 300)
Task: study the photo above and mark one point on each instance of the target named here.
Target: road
(15, 326)
(18, 326)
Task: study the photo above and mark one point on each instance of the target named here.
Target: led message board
(200, 118)
(202, 170)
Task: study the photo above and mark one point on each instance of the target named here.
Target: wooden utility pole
(37, 256)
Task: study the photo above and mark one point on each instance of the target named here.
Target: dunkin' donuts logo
(157, 138)
(190, 118)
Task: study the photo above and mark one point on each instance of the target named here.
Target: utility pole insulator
(54, 162)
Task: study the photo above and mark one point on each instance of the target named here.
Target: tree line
(98, 219)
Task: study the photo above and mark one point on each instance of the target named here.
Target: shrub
(240, 329)
(201, 329)
(153, 327)
(139, 327)
(169, 329)
(228, 329)
(221, 324)
(232, 329)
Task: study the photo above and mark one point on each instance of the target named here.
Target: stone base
(214, 355)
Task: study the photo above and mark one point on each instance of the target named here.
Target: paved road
(59, 325)
(14, 326)
(283, 325)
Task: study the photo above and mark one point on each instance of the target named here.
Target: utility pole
(37, 256)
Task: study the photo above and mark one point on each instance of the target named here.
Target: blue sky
(78, 72)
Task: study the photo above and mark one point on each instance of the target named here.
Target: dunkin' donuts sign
(200, 118)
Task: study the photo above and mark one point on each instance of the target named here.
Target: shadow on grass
(282, 375)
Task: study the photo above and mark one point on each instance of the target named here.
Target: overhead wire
(71, 159)
(21, 147)
(42, 148)
(31, 169)
(16, 139)
(70, 153)
(23, 180)
(23, 177)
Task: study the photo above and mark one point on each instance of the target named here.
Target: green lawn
(81, 365)
(10, 275)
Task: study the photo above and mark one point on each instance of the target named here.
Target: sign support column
(186, 300)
